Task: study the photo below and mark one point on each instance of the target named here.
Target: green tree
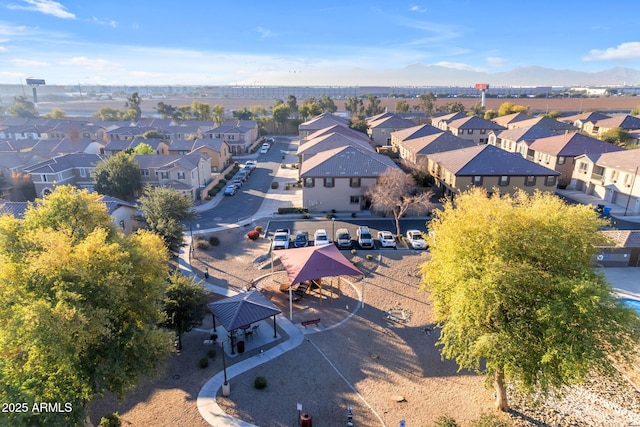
(258, 111)
(162, 211)
(22, 107)
(477, 110)
(132, 107)
(427, 103)
(617, 136)
(327, 105)
(109, 114)
(402, 106)
(144, 148)
(118, 176)
(292, 102)
(515, 293)
(80, 307)
(354, 106)
(490, 114)
(153, 134)
(452, 107)
(281, 114)
(167, 111)
(373, 106)
(395, 193)
(183, 305)
(359, 124)
(56, 113)
(242, 114)
(635, 111)
(201, 110)
(310, 108)
(217, 112)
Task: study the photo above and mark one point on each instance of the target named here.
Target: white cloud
(630, 50)
(109, 22)
(28, 63)
(457, 66)
(91, 63)
(494, 61)
(48, 7)
(3, 49)
(264, 32)
(417, 9)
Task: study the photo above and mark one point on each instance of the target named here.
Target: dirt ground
(382, 362)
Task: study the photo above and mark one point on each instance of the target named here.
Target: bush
(258, 228)
(200, 243)
(253, 235)
(211, 353)
(489, 419)
(204, 362)
(306, 215)
(260, 383)
(275, 185)
(292, 209)
(353, 251)
(445, 421)
(369, 257)
(214, 241)
(287, 187)
(353, 214)
(111, 420)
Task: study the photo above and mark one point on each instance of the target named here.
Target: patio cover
(243, 309)
(314, 262)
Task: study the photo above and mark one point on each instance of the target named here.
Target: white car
(251, 163)
(320, 237)
(416, 239)
(264, 150)
(386, 239)
(281, 239)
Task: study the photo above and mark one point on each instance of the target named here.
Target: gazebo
(241, 310)
(314, 262)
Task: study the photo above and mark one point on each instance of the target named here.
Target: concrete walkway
(617, 211)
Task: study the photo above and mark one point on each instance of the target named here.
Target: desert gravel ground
(386, 369)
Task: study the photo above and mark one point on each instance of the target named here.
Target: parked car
(248, 169)
(320, 237)
(230, 190)
(343, 238)
(416, 239)
(281, 239)
(301, 240)
(365, 240)
(251, 163)
(243, 175)
(386, 239)
(265, 147)
(237, 182)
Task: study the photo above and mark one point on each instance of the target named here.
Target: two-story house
(415, 151)
(489, 167)
(517, 140)
(240, 135)
(184, 173)
(613, 177)
(628, 123)
(473, 128)
(319, 122)
(382, 126)
(339, 178)
(329, 141)
(73, 169)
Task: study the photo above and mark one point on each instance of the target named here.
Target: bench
(310, 322)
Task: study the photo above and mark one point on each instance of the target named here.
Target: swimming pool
(633, 303)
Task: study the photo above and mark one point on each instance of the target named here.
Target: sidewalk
(617, 211)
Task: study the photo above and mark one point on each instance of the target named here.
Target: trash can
(305, 420)
(240, 347)
(606, 210)
(599, 208)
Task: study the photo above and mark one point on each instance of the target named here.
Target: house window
(354, 182)
(164, 175)
(354, 200)
(180, 175)
(83, 172)
(550, 181)
(530, 181)
(469, 131)
(483, 131)
(44, 178)
(328, 182)
(583, 167)
(561, 160)
(309, 182)
(477, 180)
(504, 180)
(144, 172)
(627, 180)
(614, 175)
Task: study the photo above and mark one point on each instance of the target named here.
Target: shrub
(287, 187)
(292, 209)
(445, 421)
(211, 353)
(200, 243)
(214, 241)
(353, 214)
(204, 362)
(489, 419)
(253, 235)
(260, 383)
(275, 185)
(258, 228)
(111, 420)
(369, 257)
(353, 251)
(306, 215)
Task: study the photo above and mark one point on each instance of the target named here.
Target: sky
(285, 42)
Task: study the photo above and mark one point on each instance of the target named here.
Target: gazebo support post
(213, 316)
(363, 291)
(290, 304)
(274, 327)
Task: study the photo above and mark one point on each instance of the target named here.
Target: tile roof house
(416, 150)
(624, 250)
(473, 128)
(382, 126)
(505, 121)
(560, 151)
(327, 142)
(319, 122)
(580, 120)
(184, 173)
(412, 133)
(73, 169)
(489, 167)
(340, 177)
(218, 151)
(517, 140)
(239, 134)
(613, 177)
(341, 130)
(442, 122)
(554, 125)
(599, 127)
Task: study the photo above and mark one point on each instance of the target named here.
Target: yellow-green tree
(507, 108)
(515, 294)
(56, 113)
(79, 307)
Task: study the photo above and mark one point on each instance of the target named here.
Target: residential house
(473, 128)
(560, 151)
(75, 169)
(160, 146)
(184, 173)
(613, 177)
(507, 120)
(411, 133)
(442, 122)
(122, 213)
(319, 122)
(341, 130)
(328, 142)
(623, 251)
(628, 123)
(416, 150)
(382, 126)
(556, 126)
(517, 140)
(216, 149)
(489, 167)
(240, 134)
(581, 120)
(339, 178)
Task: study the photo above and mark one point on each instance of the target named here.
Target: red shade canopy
(314, 262)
